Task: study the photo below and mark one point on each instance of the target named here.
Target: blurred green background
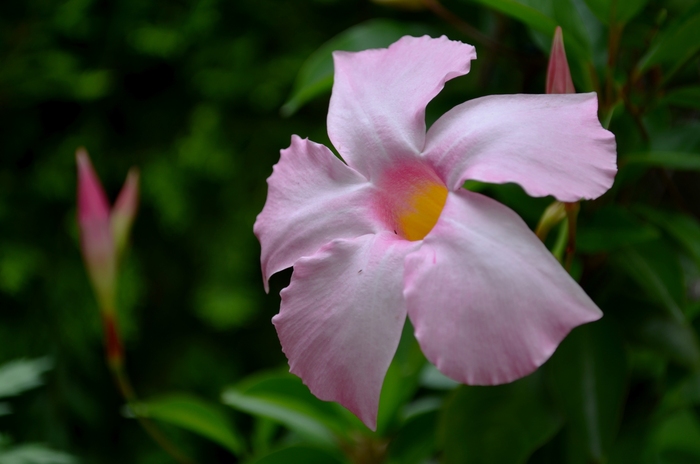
(201, 96)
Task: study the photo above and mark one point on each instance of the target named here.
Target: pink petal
(558, 74)
(341, 319)
(312, 198)
(96, 240)
(377, 109)
(488, 301)
(92, 201)
(549, 144)
(124, 211)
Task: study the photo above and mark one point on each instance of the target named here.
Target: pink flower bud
(558, 74)
(124, 211)
(96, 240)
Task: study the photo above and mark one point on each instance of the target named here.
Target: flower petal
(489, 303)
(96, 240)
(549, 144)
(312, 198)
(124, 211)
(377, 109)
(341, 319)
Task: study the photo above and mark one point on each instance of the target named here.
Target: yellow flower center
(411, 198)
(421, 210)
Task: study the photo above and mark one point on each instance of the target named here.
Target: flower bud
(124, 211)
(96, 240)
(558, 74)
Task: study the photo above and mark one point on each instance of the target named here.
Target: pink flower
(393, 233)
(103, 232)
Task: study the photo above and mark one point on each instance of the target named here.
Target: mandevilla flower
(391, 232)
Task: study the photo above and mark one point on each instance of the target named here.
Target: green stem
(560, 243)
(571, 215)
(115, 360)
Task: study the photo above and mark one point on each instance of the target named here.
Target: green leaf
(677, 439)
(286, 400)
(34, 453)
(587, 376)
(5, 409)
(432, 378)
(673, 339)
(611, 228)
(523, 13)
(683, 228)
(316, 74)
(682, 396)
(299, 454)
(414, 442)
(665, 159)
(674, 46)
(504, 423)
(193, 414)
(615, 11)
(401, 380)
(656, 270)
(22, 374)
(687, 97)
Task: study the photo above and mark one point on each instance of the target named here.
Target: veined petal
(341, 319)
(312, 198)
(549, 144)
(377, 109)
(489, 303)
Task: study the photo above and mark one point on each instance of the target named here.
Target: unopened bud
(124, 211)
(558, 73)
(96, 241)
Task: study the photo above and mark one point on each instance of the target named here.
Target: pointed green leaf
(432, 378)
(193, 414)
(655, 268)
(286, 400)
(401, 380)
(615, 11)
(673, 339)
(504, 423)
(687, 97)
(674, 46)
(414, 442)
(316, 74)
(526, 14)
(22, 374)
(677, 439)
(34, 453)
(682, 396)
(587, 376)
(299, 454)
(665, 159)
(683, 228)
(612, 228)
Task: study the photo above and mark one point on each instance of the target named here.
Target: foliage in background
(191, 92)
